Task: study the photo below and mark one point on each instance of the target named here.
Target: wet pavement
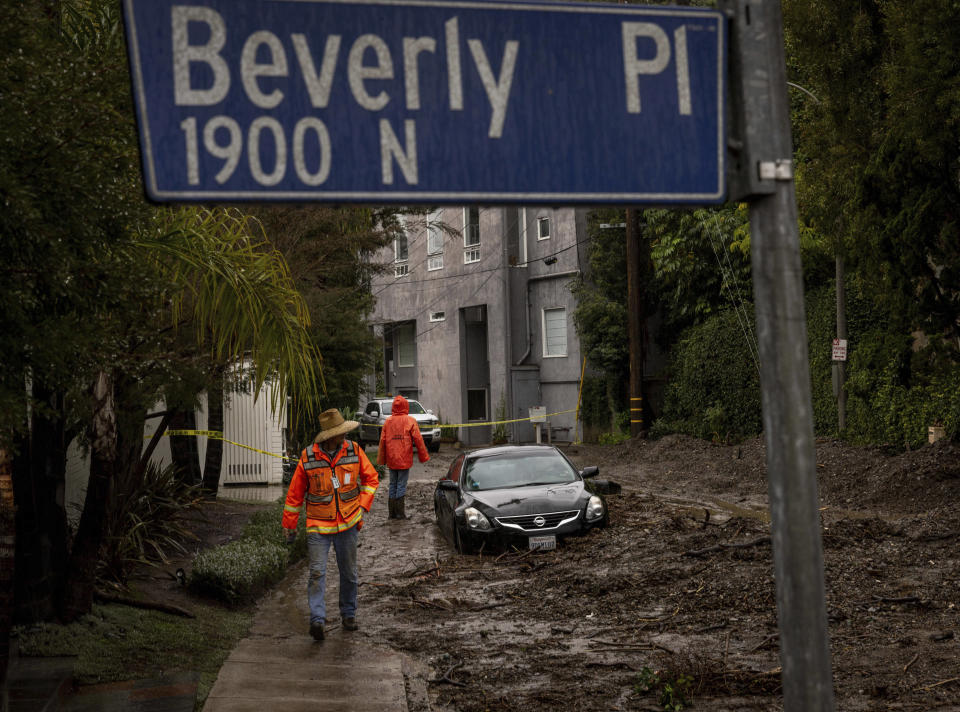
(278, 666)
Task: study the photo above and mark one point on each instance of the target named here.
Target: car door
(368, 430)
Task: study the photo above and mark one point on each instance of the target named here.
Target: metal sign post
(764, 148)
(439, 101)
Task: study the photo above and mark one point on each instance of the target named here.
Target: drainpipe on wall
(538, 278)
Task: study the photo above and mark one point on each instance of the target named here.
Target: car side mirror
(591, 471)
(448, 485)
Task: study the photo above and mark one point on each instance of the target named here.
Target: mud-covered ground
(657, 610)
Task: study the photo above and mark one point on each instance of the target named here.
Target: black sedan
(529, 496)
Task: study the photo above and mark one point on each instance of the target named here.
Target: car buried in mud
(527, 496)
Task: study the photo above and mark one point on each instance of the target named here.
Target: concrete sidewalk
(279, 667)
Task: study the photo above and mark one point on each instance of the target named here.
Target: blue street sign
(430, 102)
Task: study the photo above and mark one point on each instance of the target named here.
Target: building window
(471, 227)
(438, 316)
(434, 242)
(554, 332)
(477, 404)
(543, 228)
(400, 271)
(400, 248)
(471, 254)
(406, 345)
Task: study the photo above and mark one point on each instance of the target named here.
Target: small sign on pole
(839, 349)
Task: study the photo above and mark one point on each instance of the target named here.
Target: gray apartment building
(476, 317)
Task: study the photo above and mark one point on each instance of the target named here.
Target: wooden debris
(722, 546)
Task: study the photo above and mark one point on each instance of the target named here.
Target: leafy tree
(329, 250)
(879, 148)
(601, 313)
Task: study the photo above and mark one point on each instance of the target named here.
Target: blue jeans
(398, 483)
(318, 548)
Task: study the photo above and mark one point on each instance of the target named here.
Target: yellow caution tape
(477, 425)
(218, 434)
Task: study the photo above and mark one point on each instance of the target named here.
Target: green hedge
(896, 388)
(714, 388)
(238, 572)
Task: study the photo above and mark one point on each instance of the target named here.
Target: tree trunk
(183, 448)
(39, 486)
(214, 457)
(81, 573)
(7, 560)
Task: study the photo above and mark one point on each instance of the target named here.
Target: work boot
(401, 508)
(350, 624)
(316, 630)
(392, 504)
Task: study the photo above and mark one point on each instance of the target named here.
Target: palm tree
(233, 292)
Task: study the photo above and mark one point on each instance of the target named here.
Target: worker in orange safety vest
(338, 482)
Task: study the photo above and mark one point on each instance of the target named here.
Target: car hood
(534, 499)
(424, 417)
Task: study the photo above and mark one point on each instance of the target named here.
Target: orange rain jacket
(399, 434)
(337, 491)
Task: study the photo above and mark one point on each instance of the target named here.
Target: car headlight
(594, 509)
(475, 519)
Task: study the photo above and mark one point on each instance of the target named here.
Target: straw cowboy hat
(332, 424)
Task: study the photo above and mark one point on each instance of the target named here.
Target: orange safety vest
(337, 491)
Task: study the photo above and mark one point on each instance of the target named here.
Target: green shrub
(141, 523)
(238, 572)
(714, 387)
(895, 389)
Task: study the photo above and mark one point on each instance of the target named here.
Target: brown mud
(679, 588)
(661, 589)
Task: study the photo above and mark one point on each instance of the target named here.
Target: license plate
(543, 542)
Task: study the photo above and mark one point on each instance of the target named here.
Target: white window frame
(434, 234)
(396, 248)
(541, 221)
(438, 316)
(469, 241)
(401, 270)
(471, 255)
(434, 262)
(543, 331)
(401, 362)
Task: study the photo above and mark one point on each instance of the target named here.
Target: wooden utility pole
(839, 367)
(764, 167)
(635, 317)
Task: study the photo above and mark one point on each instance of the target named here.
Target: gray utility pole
(635, 320)
(762, 171)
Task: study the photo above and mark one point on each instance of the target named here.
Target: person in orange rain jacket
(338, 482)
(399, 434)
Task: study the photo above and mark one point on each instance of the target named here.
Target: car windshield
(415, 408)
(520, 469)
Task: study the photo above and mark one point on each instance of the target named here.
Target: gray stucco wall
(439, 375)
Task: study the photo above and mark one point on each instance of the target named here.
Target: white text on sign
(369, 62)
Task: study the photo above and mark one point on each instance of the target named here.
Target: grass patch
(115, 643)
